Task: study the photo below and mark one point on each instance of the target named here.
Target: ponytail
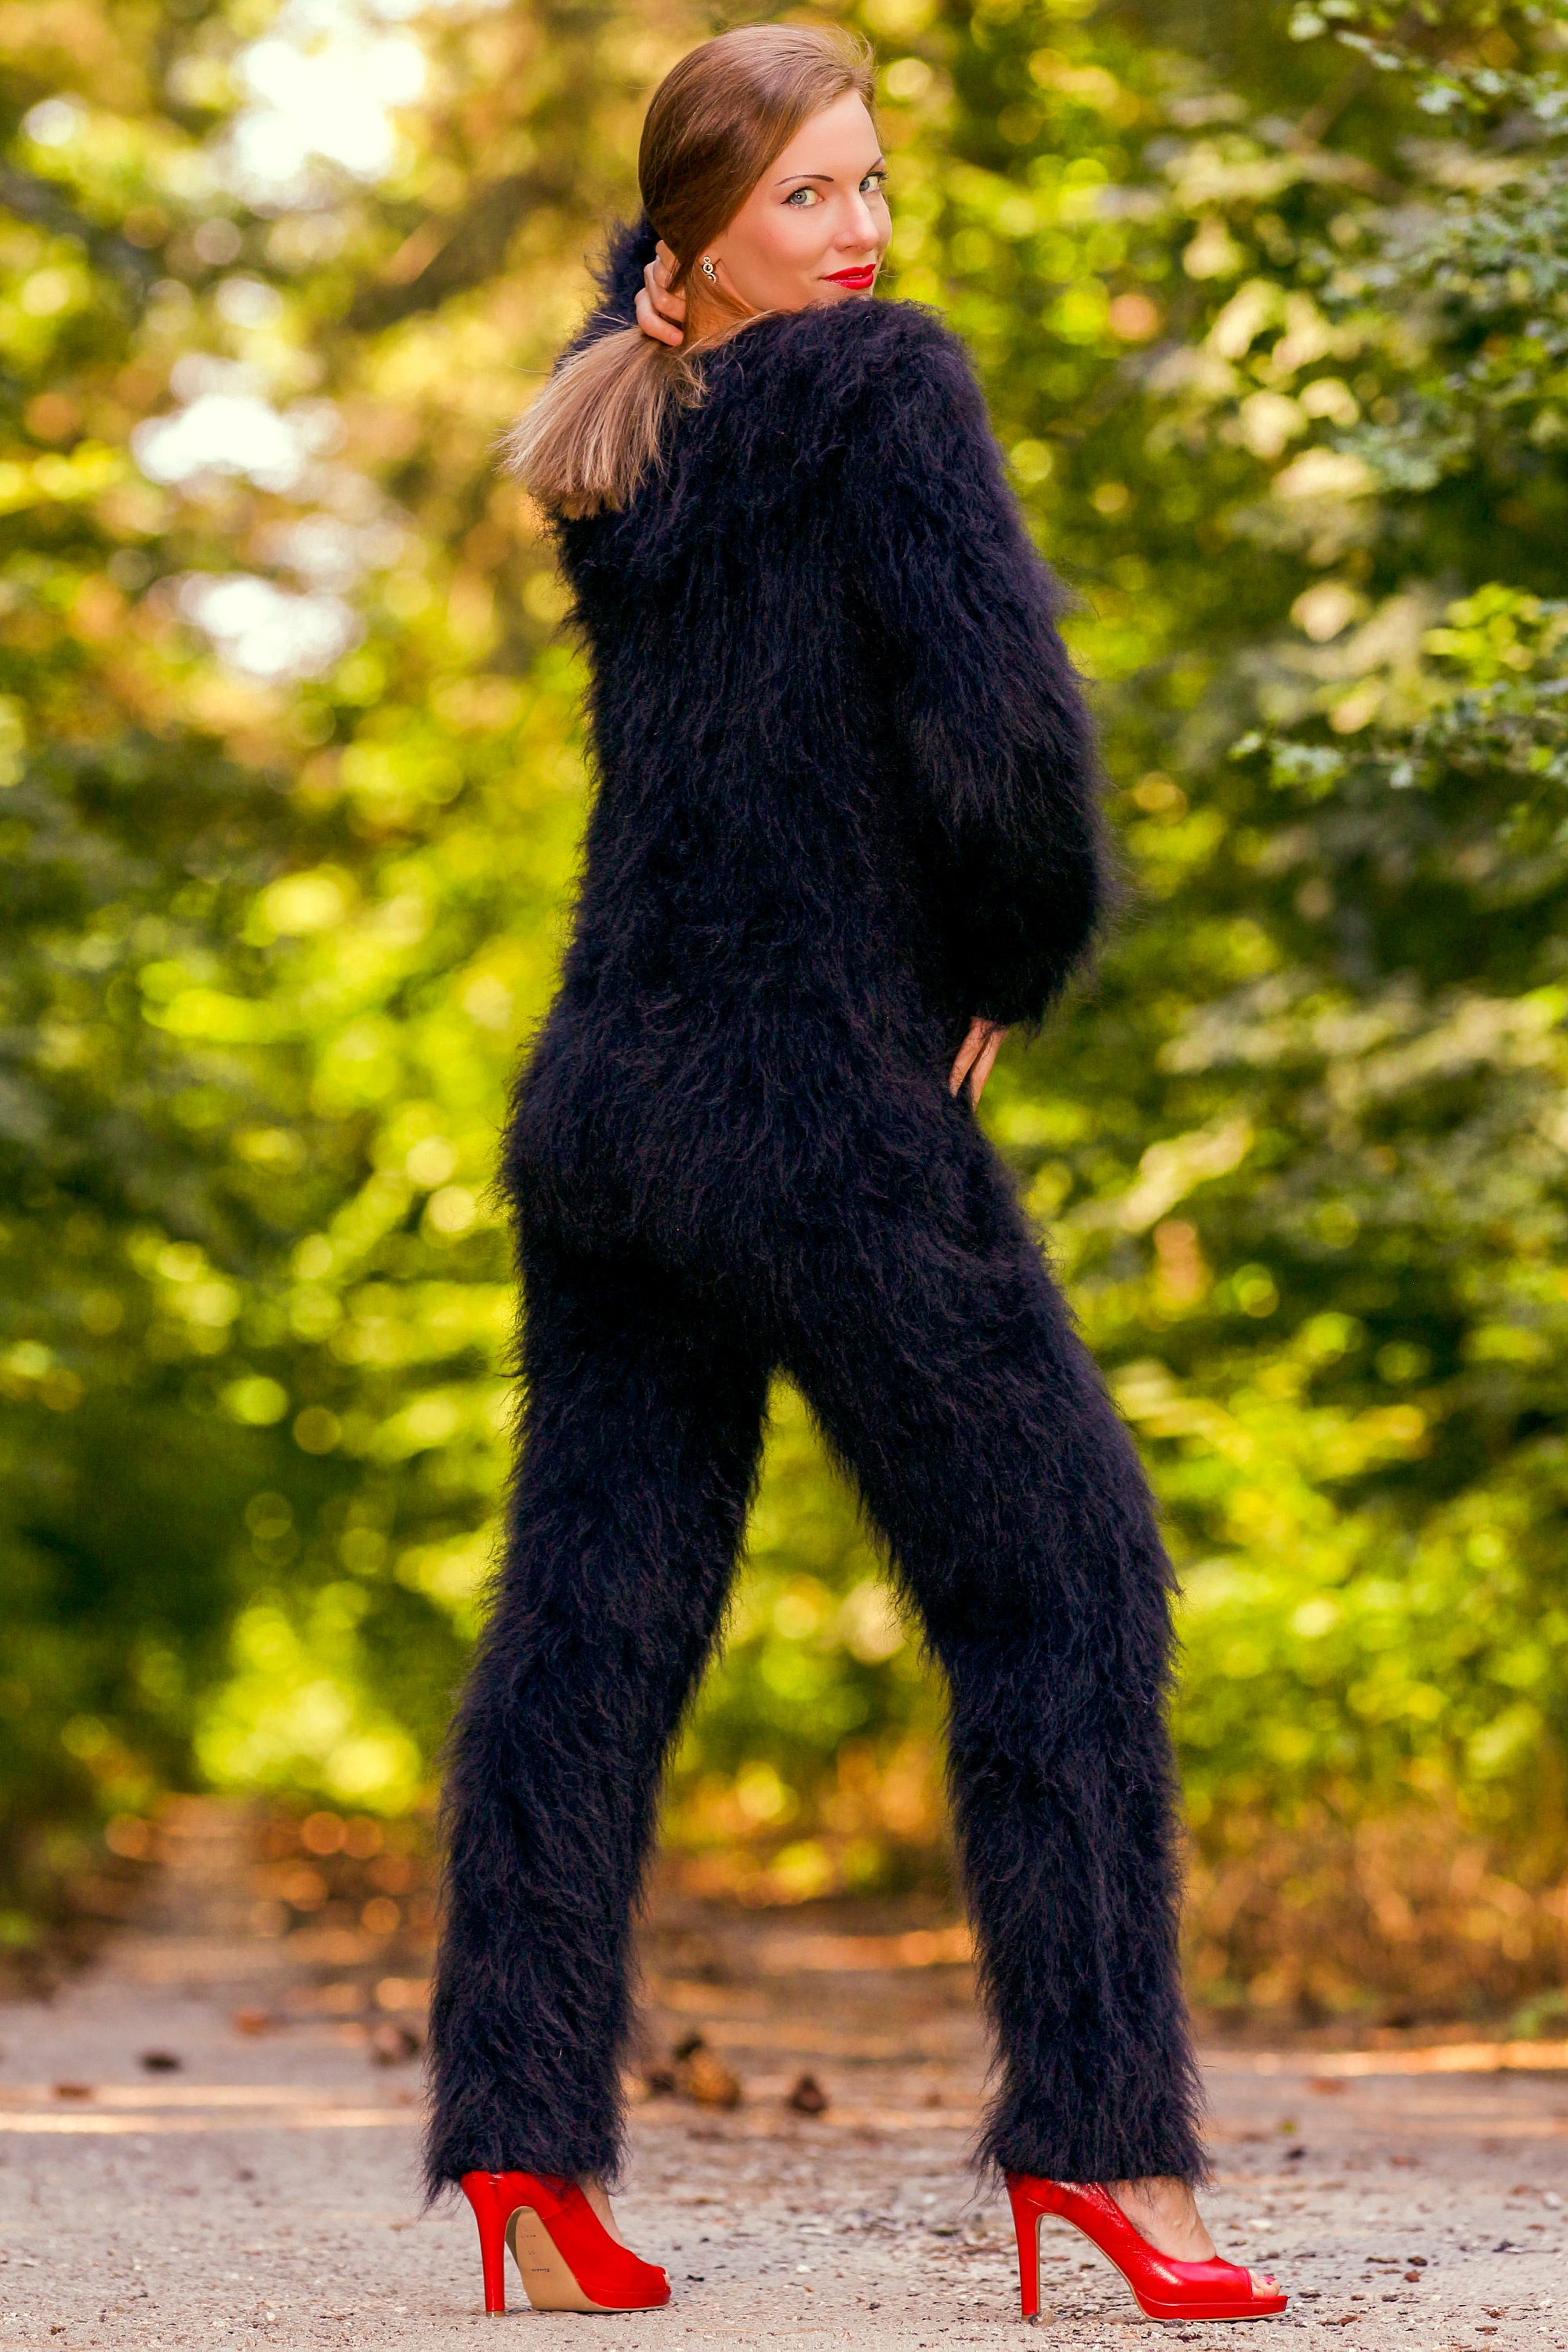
(601, 422)
(598, 427)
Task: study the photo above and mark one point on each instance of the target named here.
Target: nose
(860, 228)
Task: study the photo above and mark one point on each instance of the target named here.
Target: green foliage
(294, 780)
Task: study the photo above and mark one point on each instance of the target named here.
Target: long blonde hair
(716, 122)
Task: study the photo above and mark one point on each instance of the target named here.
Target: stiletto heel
(1162, 2287)
(568, 2259)
(1026, 2222)
(482, 2190)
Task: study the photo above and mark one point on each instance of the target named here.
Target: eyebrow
(881, 165)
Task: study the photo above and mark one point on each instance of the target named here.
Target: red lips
(858, 280)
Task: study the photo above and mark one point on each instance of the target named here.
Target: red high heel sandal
(568, 2259)
(1162, 2287)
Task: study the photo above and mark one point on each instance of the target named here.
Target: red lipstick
(857, 280)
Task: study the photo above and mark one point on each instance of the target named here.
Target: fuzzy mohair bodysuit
(846, 799)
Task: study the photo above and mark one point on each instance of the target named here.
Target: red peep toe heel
(1162, 2287)
(568, 2259)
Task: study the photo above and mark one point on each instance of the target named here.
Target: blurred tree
(1269, 313)
(1300, 1150)
(293, 787)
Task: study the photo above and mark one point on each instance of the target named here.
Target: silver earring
(709, 269)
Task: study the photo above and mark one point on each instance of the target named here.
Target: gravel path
(263, 2187)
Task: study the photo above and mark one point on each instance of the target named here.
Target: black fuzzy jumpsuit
(846, 799)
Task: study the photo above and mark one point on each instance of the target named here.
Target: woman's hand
(660, 313)
(975, 1056)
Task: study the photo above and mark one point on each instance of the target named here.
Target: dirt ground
(262, 2186)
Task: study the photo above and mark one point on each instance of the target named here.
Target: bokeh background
(1272, 307)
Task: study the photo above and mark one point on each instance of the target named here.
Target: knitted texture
(847, 798)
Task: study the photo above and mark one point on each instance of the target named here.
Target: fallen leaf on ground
(702, 2076)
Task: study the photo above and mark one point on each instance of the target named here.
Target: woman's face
(816, 227)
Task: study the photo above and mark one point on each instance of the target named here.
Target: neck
(711, 312)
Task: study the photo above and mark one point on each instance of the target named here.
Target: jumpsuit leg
(643, 1420)
(942, 1368)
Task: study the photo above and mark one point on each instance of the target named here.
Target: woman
(844, 835)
